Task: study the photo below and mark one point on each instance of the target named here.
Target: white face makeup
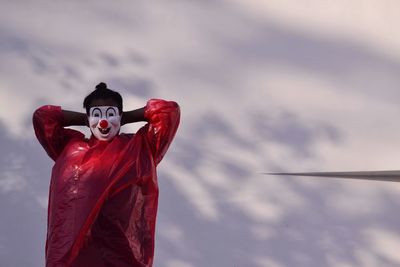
(104, 122)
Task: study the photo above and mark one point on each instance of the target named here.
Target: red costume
(103, 195)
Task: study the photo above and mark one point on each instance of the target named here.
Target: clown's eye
(96, 112)
(111, 112)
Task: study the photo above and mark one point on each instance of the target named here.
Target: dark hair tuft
(101, 86)
(102, 92)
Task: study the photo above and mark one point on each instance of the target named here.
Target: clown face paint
(104, 122)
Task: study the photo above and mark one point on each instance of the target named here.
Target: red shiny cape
(103, 195)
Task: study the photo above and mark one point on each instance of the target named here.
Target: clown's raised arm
(163, 120)
(49, 122)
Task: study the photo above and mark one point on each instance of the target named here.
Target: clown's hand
(133, 116)
(73, 118)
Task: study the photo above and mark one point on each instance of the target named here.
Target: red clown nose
(103, 124)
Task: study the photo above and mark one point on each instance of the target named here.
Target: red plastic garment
(103, 195)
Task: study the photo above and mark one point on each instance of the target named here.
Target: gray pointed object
(388, 176)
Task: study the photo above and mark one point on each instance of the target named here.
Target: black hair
(102, 92)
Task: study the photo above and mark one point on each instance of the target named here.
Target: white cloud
(12, 176)
(178, 263)
(384, 243)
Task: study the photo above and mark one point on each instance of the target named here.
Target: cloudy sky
(263, 86)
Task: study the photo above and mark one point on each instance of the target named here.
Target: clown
(104, 122)
(103, 191)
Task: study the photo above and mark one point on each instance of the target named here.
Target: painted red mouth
(104, 131)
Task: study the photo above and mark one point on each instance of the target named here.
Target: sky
(262, 85)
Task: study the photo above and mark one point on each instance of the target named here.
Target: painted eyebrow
(101, 114)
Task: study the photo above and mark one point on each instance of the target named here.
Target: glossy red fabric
(103, 195)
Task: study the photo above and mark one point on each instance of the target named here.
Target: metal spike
(388, 176)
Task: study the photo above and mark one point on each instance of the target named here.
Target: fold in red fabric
(103, 195)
